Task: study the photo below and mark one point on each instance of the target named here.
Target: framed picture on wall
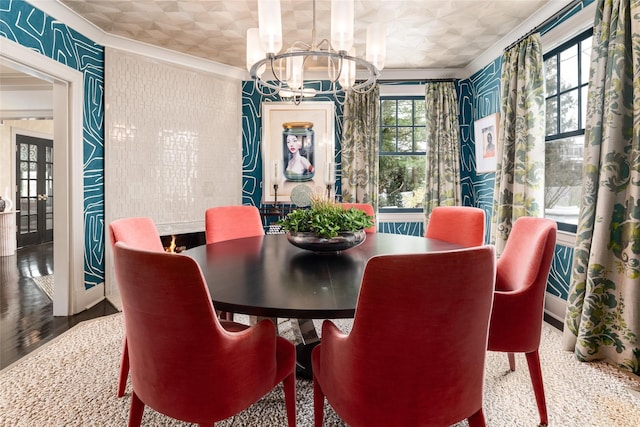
(297, 148)
(486, 138)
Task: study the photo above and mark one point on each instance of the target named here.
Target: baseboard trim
(115, 301)
(555, 308)
(91, 296)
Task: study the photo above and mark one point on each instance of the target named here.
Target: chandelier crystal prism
(283, 72)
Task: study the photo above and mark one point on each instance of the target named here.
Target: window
(566, 80)
(403, 145)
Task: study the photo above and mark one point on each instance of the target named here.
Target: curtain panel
(519, 181)
(443, 146)
(603, 312)
(359, 179)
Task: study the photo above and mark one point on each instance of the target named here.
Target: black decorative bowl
(311, 242)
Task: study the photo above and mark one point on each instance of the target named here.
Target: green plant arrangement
(325, 219)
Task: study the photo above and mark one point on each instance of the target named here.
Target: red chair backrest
(366, 208)
(526, 258)
(232, 222)
(139, 233)
(521, 282)
(424, 365)
(463, 225)
(183, 363)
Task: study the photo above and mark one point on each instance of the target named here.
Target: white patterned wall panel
(173, 143)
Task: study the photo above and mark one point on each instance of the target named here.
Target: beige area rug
(72, 382)
(46, 284)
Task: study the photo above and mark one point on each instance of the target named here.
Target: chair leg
(137, 409)
(512, 361)
(290, 398)
(535, 371)
(318, 404)
(124, 369)
(477, 419)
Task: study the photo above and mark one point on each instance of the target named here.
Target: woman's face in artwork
(292, 143)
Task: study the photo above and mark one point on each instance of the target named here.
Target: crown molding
(423, 74)
(488, 56)
(62, 13)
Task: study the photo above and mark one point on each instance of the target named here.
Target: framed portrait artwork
(297, 147)
(486, 138)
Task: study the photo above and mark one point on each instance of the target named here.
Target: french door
(34, 160)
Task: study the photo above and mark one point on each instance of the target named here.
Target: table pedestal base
(303, 360)
(305, 332)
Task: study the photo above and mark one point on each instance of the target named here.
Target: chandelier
(283, 72)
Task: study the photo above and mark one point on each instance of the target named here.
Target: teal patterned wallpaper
(480, 96)
(252, 151)
(30, 27)
(252, 134)
(408, 228)
(560, 274)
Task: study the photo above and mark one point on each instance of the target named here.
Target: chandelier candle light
(330, 170)
(330, 177)
(283, 73)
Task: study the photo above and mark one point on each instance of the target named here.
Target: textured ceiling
(427, 34)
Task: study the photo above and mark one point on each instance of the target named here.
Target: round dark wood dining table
(267, 276)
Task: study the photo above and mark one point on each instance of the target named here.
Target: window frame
(381, 153)
(556, 52)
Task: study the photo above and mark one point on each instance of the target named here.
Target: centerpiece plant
(325, 219)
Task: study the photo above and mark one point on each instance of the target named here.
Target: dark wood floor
(26, 312)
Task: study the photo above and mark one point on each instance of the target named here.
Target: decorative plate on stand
(301, 195)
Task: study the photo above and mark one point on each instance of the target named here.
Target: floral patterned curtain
(519, 183)
(360, 147)
(603, 312)
(443, 146)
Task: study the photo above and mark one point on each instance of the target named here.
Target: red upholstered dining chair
(184, 364)
(388, 372)
(232, 222)
(521, 282)
(463, 225)
(366, 208)
(140, 233)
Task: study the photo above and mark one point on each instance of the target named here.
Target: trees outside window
(402, 149)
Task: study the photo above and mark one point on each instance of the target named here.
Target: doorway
(70, 295)
(34, 179)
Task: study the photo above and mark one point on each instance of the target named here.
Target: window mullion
(400, 191)
(565, 148)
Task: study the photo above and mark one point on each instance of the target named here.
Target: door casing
(70, 296)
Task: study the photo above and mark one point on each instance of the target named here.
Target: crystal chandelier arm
(360, 87)
(330, 66)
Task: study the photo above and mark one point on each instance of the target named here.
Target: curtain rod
(555, 16)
